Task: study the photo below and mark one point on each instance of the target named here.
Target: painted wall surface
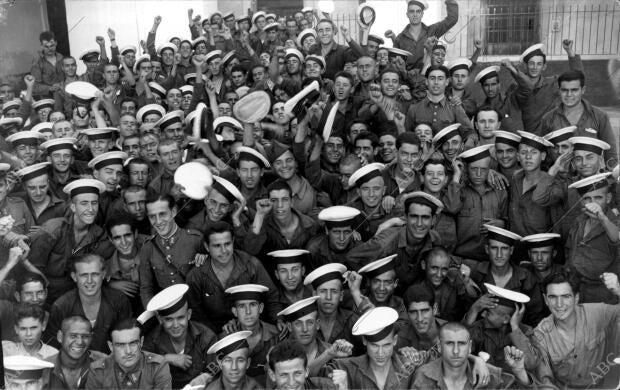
(20, 26)
(131, 20)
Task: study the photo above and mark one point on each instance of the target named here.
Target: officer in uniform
(128, 367)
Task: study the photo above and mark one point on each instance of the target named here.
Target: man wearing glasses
(47, 67)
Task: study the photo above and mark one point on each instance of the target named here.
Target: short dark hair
(357, 122)
(119, 219)
(374, 141)
(285, 351)
(572, 75)
(132, 188)
(124, 324)
(29, 277)
(29, 310)
(85, 258)
(46, 36)
(218, 228)
(486, 108)
(346, 75)
(289, 86)
(77, 318)
(153, 197)
(238, 68)
(389, 69)
(278, 185)
(564, 276)
(435, 161)
(137, 160)
(418, 293)
(408, 138)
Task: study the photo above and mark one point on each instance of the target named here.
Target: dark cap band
(23, 374)
(108, 162)
(232, 348)
(33, 174)
(53, 148)
(385, 332)
(587, 147)
(246, 296)
(84, 190)
(381, 270)
(368, 177)
(337, 224)
(507, 141)
(223, 191)
(482, 155)
(245, 156)
(301, 312)
(593, 187)
(106, 135)
(536, 52)
(540, 244)
(302, 258)
(326, 278)
(174, 308)
(533, 143)
(169, 122)
(500, 237)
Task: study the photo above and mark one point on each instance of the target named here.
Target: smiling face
(390, 82)
(437, 81)
(506, 155)
(435, 178)
(89, 276)
(325, 33)
(382, 286)
(234, 366)
(290, 275)
(175, 324)
(387, 148)
(587, 163)
(535, 66)
(161, 217)
(452, 147)
(419, 220)
(561, 300)
(123, 239)
(372, 191)
(110, 175)
(333, 149)
(76, 338)
(85, 207)
(289, 374)
(285, 165)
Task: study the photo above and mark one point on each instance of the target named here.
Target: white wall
(131, 19)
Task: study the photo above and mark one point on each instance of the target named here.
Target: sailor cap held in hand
(560, 135)
(169, 300)
(487, 73)
(592, 183)
(227, 190)
(378, 267)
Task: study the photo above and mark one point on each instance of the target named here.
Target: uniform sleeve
(548, 191)
(440, 28)
(39, 88)
(195, 294)
(40, 248)
(147, 282)
(253, 243)
(543, 366)
(379, 246)
(94, 379)
(272, 307)
(162, 379)
(53, 326)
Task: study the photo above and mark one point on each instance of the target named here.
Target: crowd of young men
(378, 228)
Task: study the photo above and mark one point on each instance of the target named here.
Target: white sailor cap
(307, 9)
(25, 137)
(169, 300)
(141, 59)
(249, 154)
(171, 118)
(318, 59)
(338, 216)
(421, 197)
(395, 52)
(195, 179)
(10, 122)
(589, 144)
(257, 15)
(304, 34)
(376, 323)
(506, 297)
(329, 121)
(475, 154)
(11, 105)
(501, 235)
(43, 103)
(271, 16)
(231, 343)
(366, 15)
(252, 107)
(227, 121)
(81, 90)
(459, 63)
(157, 89)
(366, 173)
(59, 144)
(541, 240)
(420, 3)
(186, 90)
(4, 167)
(560, 135)
(148, 110)
(100, 133)
(126, 49)
(90, 55)
(34, 170)
(228, 15)
(508, 138)
(446, 133)
(289, 256)
(189, 118)
(198, 40)
(227, 190)
(486, 73)
(84, 186)
(294, 53)
(242, 91)
(191, 77)
(378, 267)
(591, 183)
(376, 38)
(213, 54)
(25, 367)
(325, 273)
(243, 18)
(229, 56)
(107, 159)
(534, 50)
(534, 141)
(271, 26)
(43, 127)
(247, 292)
(299, 309)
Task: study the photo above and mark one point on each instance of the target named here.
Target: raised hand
(99, 40)
(111, 34)
(390, 34)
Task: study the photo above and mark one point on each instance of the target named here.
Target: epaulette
(193, 232)
(96, 356)
(98, 365)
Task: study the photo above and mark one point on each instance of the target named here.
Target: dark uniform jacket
(57, 379)
(151, 372)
